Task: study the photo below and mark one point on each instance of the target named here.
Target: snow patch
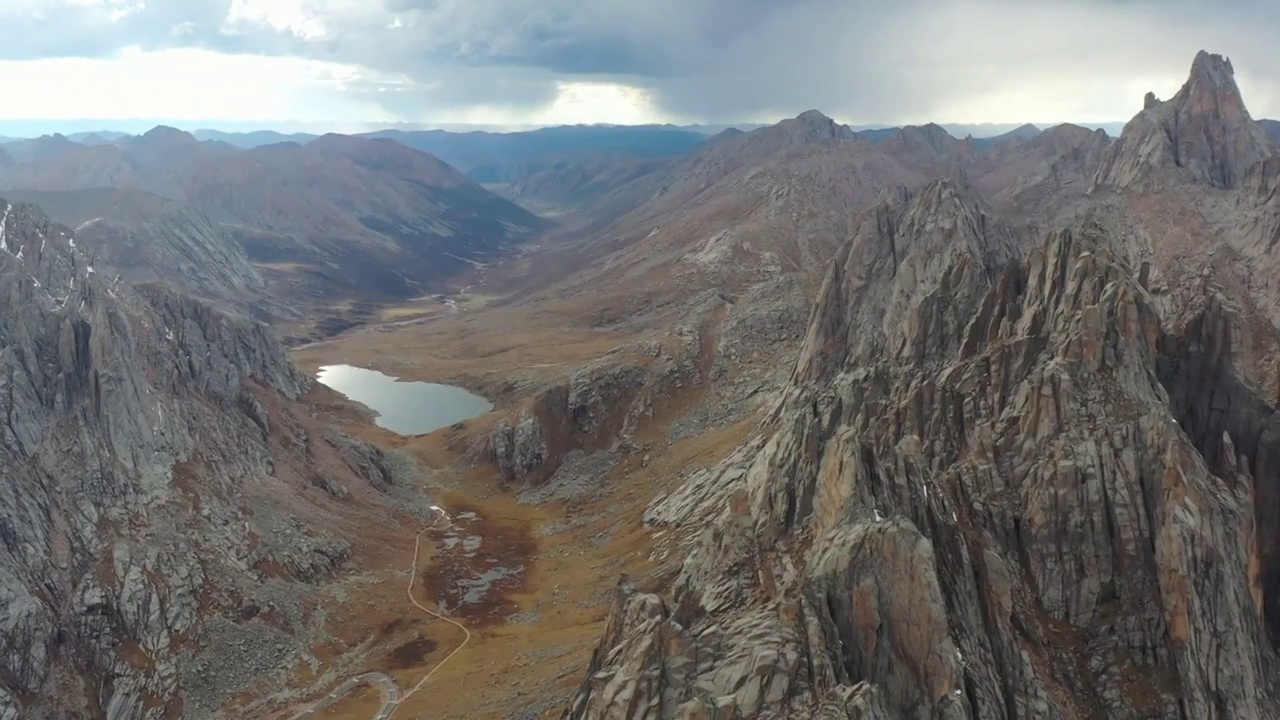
(4, 222)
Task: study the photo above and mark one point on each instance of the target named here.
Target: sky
(348, 63)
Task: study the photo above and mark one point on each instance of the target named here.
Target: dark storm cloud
(649, 38)
(868, 60)
(878, 60)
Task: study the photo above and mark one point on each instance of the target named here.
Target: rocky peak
(1203, 133)
(152, 239)
(1024, 132)
(917, 251)
(812, 126)
(932, 138)
(168, 132)
(1214, 70)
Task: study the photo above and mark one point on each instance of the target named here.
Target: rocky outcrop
(589, 410)
(520, 449)
(154, 471)
(996, 487)
(607, 402)
(153, 239)
(936, 245)
(1204, 131)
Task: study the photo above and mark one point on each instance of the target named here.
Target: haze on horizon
(237, 64)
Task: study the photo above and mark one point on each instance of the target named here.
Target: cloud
(701, 60)
(197, 85)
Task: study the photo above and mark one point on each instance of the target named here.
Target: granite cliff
(161, 483)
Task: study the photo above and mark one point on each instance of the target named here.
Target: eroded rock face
(152, 465)
(1204, 129)
(600, 405)
(1020, 498)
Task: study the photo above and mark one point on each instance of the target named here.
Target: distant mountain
(487, 157)
(35, 149)
(1022, 132)
(250, 140)
(370, 215)
(154, 162)
(97, 138)
(339, 217)
(1271, 128)
(984, 134)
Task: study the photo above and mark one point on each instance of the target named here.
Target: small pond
(402, 406)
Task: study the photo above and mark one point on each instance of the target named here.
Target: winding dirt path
(391, 697)
(413, 576)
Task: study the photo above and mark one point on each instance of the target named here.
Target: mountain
(250, 140)
(338, 217)
(573, 185)
(1022, 132)
(168, 501)
(1271, 128)
(484, 156)
(1022, 459)
(743, 208)
(155, 162)
(929, 565)
(1204, 129)
(984, 134)
(99, 137)
(359, 215)
(41, 148)
(1048, 167)
(153, 239)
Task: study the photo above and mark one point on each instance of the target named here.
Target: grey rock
(996, 486)
(520, 449)
(151, 452)
(1203, 133)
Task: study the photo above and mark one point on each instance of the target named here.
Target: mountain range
(335, 219)
(1019, 462)
(797, 421)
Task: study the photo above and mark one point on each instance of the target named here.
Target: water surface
(404, 407)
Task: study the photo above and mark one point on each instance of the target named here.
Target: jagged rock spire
(1203, 133)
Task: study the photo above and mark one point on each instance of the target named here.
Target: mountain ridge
(1060, 328)
(396, 220)
(158, 463)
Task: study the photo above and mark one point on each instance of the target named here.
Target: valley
(609, 424)
(567, 540)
